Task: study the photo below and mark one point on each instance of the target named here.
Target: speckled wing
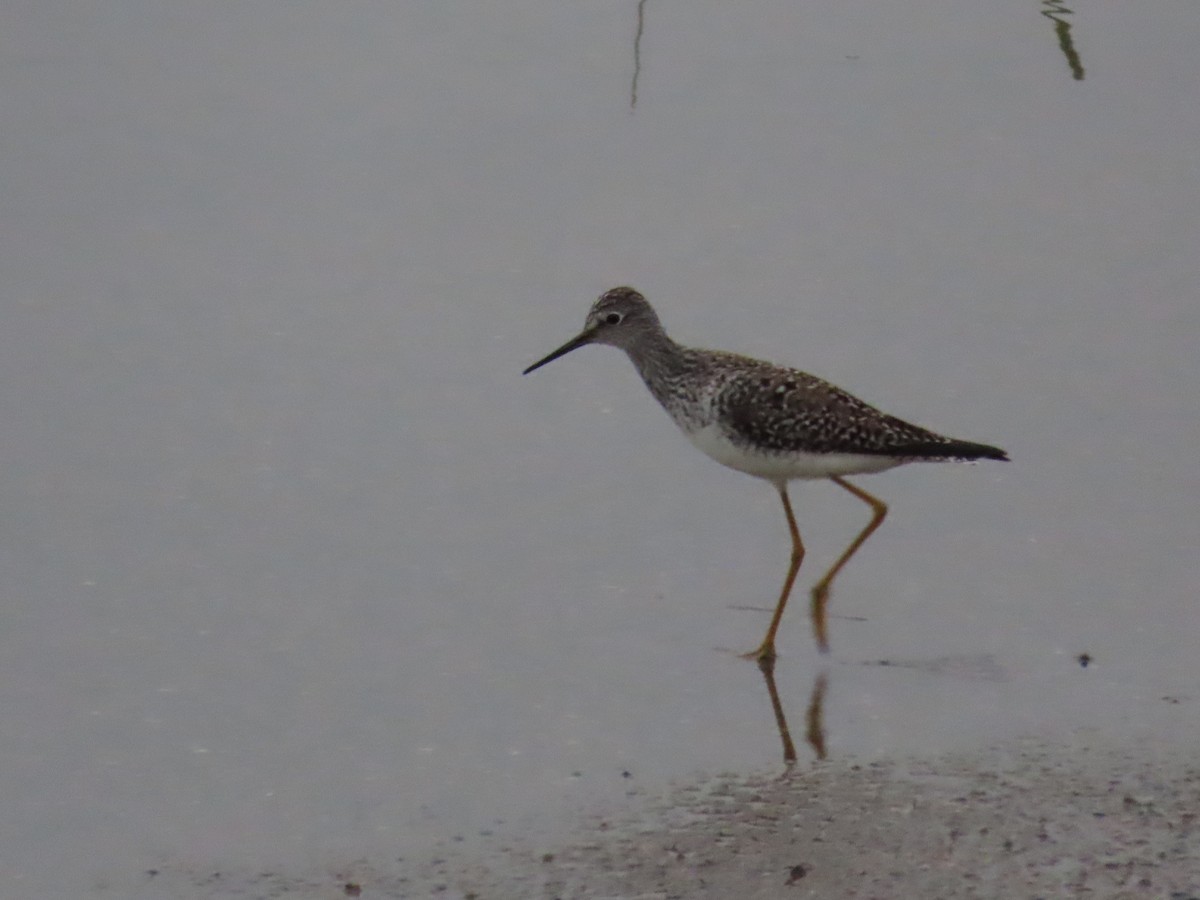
(789, 411)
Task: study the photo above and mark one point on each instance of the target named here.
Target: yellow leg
(766, 651)
(820, 591)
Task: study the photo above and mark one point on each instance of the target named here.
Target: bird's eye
(612, 319)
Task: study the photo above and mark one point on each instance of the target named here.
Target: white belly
(779, 467)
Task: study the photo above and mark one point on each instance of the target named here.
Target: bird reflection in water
(814, 715)
(970, 667)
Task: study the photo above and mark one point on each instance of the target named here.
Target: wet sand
(1022, 821)
(1025, 820)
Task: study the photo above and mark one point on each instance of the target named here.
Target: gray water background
(295, 567)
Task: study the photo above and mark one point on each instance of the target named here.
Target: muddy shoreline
(1025, 820)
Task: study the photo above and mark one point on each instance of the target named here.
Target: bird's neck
(665, 366)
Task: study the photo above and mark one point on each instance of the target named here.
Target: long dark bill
(584, 337)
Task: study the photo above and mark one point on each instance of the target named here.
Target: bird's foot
(764, 655)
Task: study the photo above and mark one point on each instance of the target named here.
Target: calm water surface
(296, 568)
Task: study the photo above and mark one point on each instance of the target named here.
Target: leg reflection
(814, 715)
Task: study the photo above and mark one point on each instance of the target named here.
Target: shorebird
(770, 421)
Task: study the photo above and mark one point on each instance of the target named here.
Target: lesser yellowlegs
(768, 421)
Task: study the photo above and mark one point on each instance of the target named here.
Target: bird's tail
(954, 449)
